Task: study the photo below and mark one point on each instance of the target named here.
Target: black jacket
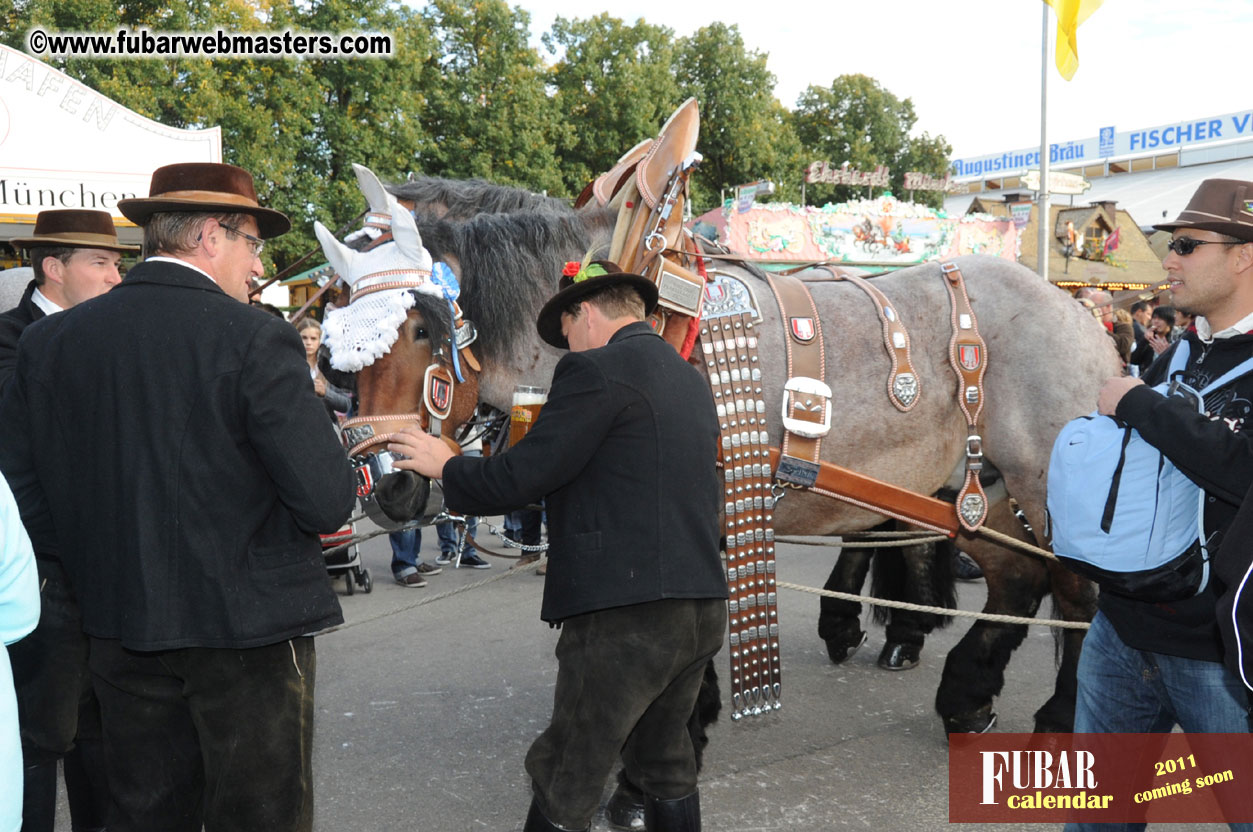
(184, 462)
(624, 453)
(12, 324)
(1216, 452)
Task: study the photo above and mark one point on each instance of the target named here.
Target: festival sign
(1111, 144)
(828, 174)
(883, 231)
(1059, 182)
(63, 145)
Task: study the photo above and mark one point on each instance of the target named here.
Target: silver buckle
(809, 387)
(974, 452)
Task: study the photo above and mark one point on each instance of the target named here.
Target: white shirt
(1240, 327)
(41, 300)
(160, 259)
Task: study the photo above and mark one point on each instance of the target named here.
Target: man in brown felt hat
(186, 475)
(75, 255)
(624, 454)
(1147, 667)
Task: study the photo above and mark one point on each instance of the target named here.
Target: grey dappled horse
(1046, 358)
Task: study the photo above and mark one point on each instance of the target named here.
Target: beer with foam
(527, 402)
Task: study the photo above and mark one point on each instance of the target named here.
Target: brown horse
(1046, 360)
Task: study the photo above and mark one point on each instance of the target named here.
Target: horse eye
(420, 333)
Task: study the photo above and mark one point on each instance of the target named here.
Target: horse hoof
(841, 651)
(625, 809)
(897, 656)
(979, 722)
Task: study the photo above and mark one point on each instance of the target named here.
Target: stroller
(345, 560)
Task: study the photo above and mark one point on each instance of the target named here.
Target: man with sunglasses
(185, 469)
(1146, 667)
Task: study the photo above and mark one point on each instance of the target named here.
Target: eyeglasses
(1183, 246)
(256, 243)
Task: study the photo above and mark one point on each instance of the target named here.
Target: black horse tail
(926, 569)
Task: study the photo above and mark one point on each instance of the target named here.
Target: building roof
(1151, 196)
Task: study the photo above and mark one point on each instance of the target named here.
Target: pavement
(427, 700)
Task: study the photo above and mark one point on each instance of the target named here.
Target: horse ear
(405, 233)
(375, 194)
(338, 255)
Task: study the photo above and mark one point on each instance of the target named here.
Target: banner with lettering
(1100, 778)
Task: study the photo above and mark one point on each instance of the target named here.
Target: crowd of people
(167, 450)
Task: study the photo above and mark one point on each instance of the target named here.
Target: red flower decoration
(571, 268)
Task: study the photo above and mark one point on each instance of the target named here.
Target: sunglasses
(1183, 246)
(257, 244)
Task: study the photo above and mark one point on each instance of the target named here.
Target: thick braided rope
(904, 605)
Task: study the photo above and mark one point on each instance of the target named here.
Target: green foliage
(744, 135)
(487, 111)
(466, 95)
(613, 87)
(857, 121)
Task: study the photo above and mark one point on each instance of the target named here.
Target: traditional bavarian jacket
(624, 453)
(1216, 452)
(182, 456)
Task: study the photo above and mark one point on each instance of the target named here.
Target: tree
(614, 86)
(744, 134)
(487, 111)
(294, 124)
(857, 121)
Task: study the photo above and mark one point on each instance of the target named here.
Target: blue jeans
(1123, 690)
(405, 546)
(447, 533)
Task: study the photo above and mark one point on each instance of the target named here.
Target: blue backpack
(1121, 513)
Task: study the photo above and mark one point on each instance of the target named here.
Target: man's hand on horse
(426, 454)
(1112, 392)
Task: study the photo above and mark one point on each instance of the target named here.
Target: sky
(972, 67)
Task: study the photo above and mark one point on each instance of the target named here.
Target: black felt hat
(578, 284)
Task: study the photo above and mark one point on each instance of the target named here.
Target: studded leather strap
(968, 356)
(728, 348)
(904, 386)
(806, 396)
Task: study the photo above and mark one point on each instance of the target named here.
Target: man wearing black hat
(187, 471)
(1147, 667)
(75, 256)
(624, 453)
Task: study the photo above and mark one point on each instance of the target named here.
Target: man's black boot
(537, 822)
(681, 815)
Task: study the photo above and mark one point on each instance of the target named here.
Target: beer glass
(527, 402)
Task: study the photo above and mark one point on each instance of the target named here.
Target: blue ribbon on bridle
(443, 277)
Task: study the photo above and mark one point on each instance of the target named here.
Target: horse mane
(509, 266)
(459, 200)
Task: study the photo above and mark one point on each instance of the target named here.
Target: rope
(901, 539)
(867, 544)
(431, 599)
(905, 605)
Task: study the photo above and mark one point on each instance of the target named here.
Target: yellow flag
(1070, 13)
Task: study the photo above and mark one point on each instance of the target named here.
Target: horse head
(403, 335)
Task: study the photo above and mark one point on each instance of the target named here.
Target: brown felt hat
(1224, 206)
(204, 187)
(573, 288)
(75, 227)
